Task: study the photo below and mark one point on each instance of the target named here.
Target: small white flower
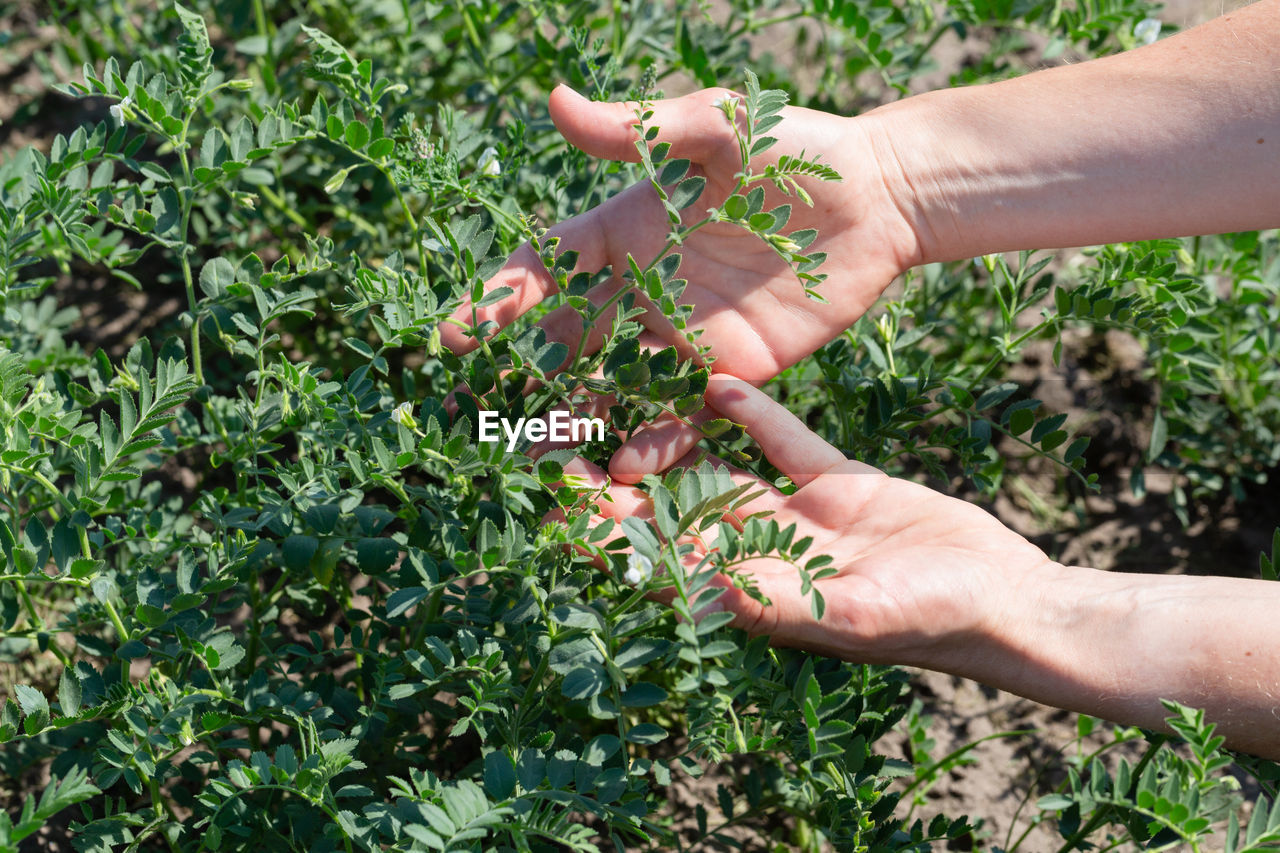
(404, 415)
(1147, 30)
(489, 164)
(639, 569)
(728, 105)
(784, 243)
(118, 110)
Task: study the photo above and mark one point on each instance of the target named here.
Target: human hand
(921, 577)
(752, 311)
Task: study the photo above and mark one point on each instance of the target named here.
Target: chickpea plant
(260, 587)
(366, 539)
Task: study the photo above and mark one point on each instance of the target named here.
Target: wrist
(1110, 644)
(1056, 633)
(911, 159)
(1062, 635)
(1169, 140)
(1114, 645)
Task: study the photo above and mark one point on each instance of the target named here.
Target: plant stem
(266, 62)
(38, 623)
(185, 196)
(1102, 813)
(51, 489)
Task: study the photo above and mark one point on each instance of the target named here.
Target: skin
(1173, 139)
(931, 581)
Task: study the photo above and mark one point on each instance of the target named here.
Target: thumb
(694, 124)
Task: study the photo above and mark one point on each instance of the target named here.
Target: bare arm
(1113, 645)
(1181, 137)
(932, 581)
(1177, 138)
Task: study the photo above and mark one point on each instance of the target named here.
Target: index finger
(796, 450)
(632, 221)
(529, 279)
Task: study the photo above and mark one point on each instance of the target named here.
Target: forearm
(1113, 645)
(1178, 138)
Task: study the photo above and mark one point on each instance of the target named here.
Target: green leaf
(1047, 426)
(643, 694)
(167, 210)
(633, 375)
(717, 427)
(323, 517)
(133, 649)
(186, 601)
(996, 395)
(531, 768)
(400, 601)
(1053, 439)
(216, 276)
(31, 701)
(1159, 437)
(404, 691)
(1076, 449)
(493, 296)
(69, 692)
(149, 615)
(375, 556)
(1054, 803)
(687, 192)
(499, 775)
(153, 171)
(673, 171)
(102, 588)
(297, 551)
(584, 681)
(646, 734)
(357, 134)
(59, 794)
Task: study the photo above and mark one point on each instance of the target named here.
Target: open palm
(752, 311)
(916, 570)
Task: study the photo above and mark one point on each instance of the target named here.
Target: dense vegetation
(250, 599)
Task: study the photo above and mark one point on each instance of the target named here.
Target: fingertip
(562, 91)
(626, 465)
(786, 440)
(600, 128)
(654, 450)
(562, 98)
(726, 391)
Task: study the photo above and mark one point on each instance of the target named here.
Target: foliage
(352, 625)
